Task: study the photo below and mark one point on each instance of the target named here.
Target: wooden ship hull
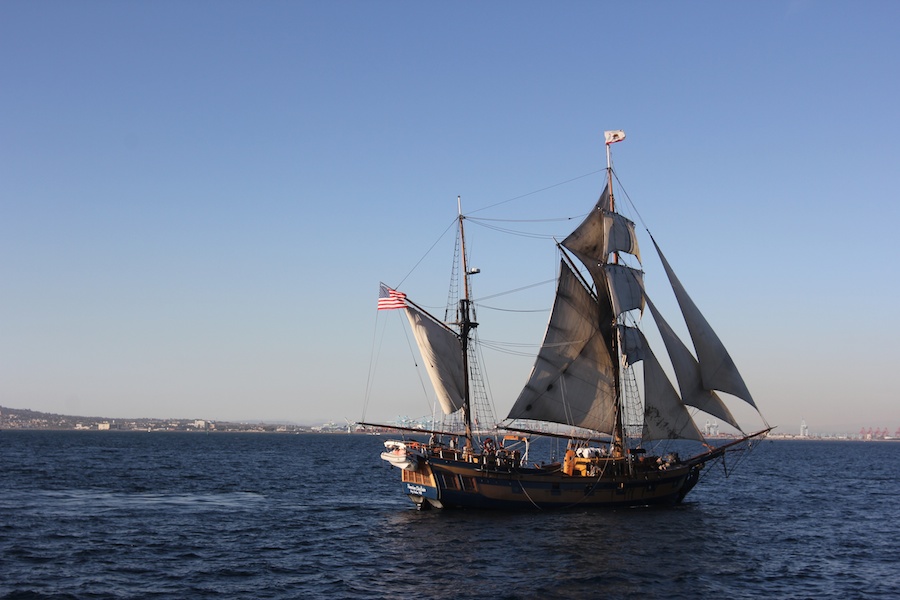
(485, 482)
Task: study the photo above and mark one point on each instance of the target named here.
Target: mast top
(616, 135)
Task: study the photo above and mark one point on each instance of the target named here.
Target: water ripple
(265, 516)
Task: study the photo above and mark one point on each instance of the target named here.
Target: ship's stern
(420, 485)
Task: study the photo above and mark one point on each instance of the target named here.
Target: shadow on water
(572, 553)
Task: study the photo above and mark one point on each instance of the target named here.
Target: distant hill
(24, 418)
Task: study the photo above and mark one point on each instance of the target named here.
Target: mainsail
(442, 353)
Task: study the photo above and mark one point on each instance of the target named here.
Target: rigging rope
(539, 191)
(427, 252)
(482, 222)
(519, 289)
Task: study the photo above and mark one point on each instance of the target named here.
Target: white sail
(573, 378)
(665, 416)
(619, 234)
(625, 288)
(717, 369)
(600, 234)
(442, 353)
(687, 372)
(587, 242)
(632, 344)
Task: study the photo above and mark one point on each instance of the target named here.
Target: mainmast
(466, 325)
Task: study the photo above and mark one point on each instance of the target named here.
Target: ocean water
(169, 515)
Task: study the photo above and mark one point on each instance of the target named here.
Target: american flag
(388, 298)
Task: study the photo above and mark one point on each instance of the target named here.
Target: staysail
(717, 369)
(687, 372)
(442, 353)
(573, 378)
(665, 416)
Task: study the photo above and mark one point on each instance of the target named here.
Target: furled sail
(442, 353)
(717, 369)
(573, 378)
(687, 372)
(665, 416)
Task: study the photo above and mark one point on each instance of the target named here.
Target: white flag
(614, 136)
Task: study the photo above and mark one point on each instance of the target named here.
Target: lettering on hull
(418, 490)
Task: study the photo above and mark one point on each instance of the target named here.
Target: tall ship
(596, 386)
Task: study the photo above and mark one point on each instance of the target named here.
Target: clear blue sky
(198, 199)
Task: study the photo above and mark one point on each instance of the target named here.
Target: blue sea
(188, 515)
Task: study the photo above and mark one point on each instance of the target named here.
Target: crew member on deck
(569, 461)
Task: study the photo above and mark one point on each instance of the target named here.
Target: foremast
(576, 379)
(619, 439)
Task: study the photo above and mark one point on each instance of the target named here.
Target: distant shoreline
(26, 419)
(16, 419)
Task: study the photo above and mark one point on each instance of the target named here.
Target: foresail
(687, 372)
(573, 378)
(442, 353)
(665, 416)
(717, 369)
